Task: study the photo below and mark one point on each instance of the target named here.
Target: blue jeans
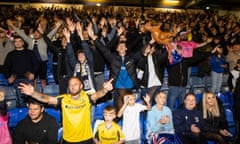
(216, 81)
(175, 93)
(21, 98)
(99, 79)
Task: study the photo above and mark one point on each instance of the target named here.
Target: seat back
(10, 96)
(231, 122)
(51, 89)
(16, 115)
(56, 113)
(3, 80)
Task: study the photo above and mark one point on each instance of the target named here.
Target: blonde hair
(215, 112)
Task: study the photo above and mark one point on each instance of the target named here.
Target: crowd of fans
(137, 47)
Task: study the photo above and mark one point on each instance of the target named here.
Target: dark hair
(18, 37)
(237, 42)
(128, 92)
(238, 61)
(121, 42)
(188, 94)
(3, 108)
(35, 102)
(79, 51)
(110, 108)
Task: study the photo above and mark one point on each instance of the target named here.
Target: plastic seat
(3, 80)
(16, 115)
(51, 89)
(211, 142)
(196, 82)
(231, 123)
(11, 96)
(222, 97)
(194, 70)
(60, 131)
(229, 97)
(56, 113)
(99, 110)
(199, 97)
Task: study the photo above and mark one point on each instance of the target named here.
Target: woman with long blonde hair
(215, 123)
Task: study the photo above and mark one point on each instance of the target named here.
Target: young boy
(160, 122)
(109, 132)
(131, 113)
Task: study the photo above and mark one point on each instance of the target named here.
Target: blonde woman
(215, 124)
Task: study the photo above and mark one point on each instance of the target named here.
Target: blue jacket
(183, 119)
(216, 62)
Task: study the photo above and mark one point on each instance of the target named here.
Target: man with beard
(37, 127)
(75, 108)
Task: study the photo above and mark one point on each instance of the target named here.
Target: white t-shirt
(153, 78)
(235, 75)
(131, 124)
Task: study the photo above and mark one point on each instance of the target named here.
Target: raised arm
(70, 52)
(204, 43)
(147, 100)
(20, 32)
(122, 109)
(107, 86)
(54, 30)
(29, 90)
(105, 51)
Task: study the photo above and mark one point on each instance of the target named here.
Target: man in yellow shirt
(75, 108)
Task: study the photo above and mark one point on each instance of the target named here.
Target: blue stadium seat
(231, 123)
(106, 73)
(229, 97)
(10, 96)
(199, 97)
(16, 115)
(196, 83)
(194, 71)
(60, 131)
(50, 78)
(3, 80)
(99, 110)
(56, 113)
(222, 97)
(226, 98)
(211, 142)
(51, 89)
(143, 126)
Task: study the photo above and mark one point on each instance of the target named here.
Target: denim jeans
(175, 93)
(216, 81)
(21, 98)
(63, 84)
(99, 79)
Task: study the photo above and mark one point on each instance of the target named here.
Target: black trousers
(89, 141)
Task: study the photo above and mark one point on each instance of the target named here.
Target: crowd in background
(84, 42)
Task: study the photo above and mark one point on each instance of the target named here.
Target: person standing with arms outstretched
(75, 108)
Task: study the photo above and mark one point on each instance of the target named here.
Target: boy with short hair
(131, 113)
(109, 132)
